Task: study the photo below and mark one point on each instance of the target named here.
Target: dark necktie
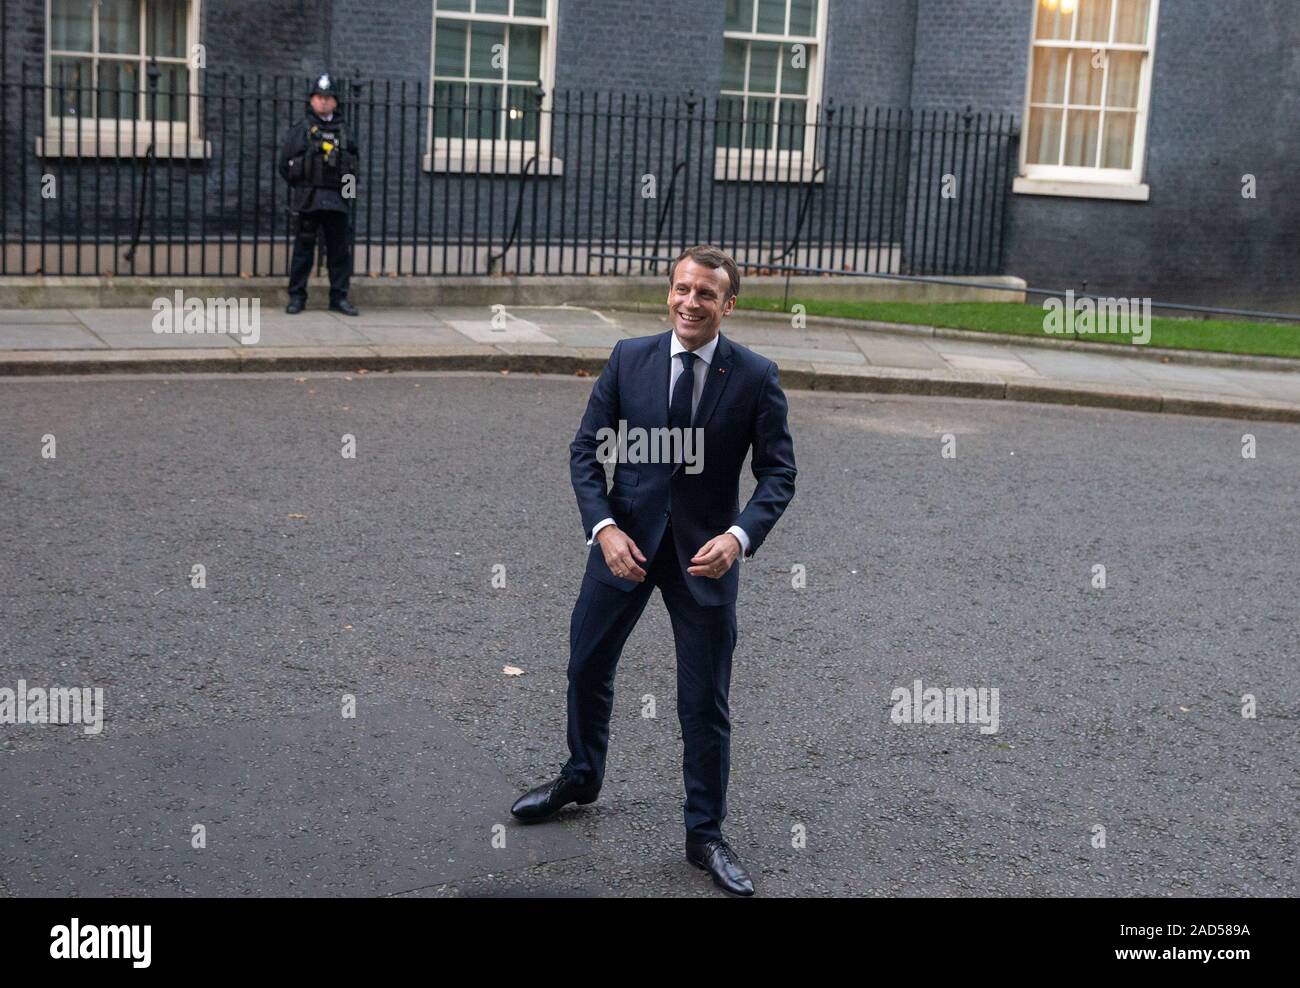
(679, 409)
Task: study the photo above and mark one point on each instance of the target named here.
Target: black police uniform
(316, 156)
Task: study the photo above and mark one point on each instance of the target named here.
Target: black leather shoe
(295, 306)
(346, 307)
(547, 799)
(719, 860)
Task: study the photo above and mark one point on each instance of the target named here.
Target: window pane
(1081, 128)
(1085, 79)
(1044, 142)
(764, 60)
(530, 8)
(70, 94)
(119, 88)
(448, 109)
(484, 63)
(525, 53)
(733, 64)
(727, 132)
(1052, 21)
(170, 101)
(521, 114)
(119, 27)
(166, 28)
(1049, 75)
(70, 24)
(790, 129)
(1131, 21)
(740, 15)
(803, 17)
(1094, 20)
(463, 6)
(758, 126)
(771, 16)
(795, 80)
(450, 41)
(1125, 76)
(1117, 148)
(484, 112)
(492, 6)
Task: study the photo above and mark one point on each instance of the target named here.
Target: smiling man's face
(698, 299)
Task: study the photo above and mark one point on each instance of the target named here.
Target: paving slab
(133, 329)
(514, 331)
(308, 332)
(1279, 386)
(785, 335)
(32, 317)
(1189, 378)
(1088, 367)
(889, 351)
(48, 336)
(385, 317)
(303, 805)
(588, 335)
(550, 316)
(1005, 364)
(431, 334)
(783, 353)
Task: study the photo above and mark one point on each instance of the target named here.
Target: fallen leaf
(512, 670)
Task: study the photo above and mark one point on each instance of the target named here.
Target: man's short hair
(710, 257)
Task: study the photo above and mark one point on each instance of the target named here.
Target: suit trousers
(705, 638)
(333, 225)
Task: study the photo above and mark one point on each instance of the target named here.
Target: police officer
(319, 161)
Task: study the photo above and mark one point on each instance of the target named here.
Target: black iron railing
(562, 183)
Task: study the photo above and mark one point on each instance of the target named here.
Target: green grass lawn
(1220, 336)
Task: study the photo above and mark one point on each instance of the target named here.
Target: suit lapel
(719, 375)
(661, 367)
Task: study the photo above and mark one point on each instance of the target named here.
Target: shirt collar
(705, 352)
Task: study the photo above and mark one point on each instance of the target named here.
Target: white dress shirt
(701, 369)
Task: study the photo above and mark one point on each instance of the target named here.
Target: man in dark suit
(674, 525)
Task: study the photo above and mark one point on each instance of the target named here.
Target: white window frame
(1085, 182)
(742, 164)
(72, 137)
(504, 156)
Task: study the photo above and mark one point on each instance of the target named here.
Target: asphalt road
(1119, 707)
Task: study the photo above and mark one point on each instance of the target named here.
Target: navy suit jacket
(742, 406)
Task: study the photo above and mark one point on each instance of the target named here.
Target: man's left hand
(715, 556)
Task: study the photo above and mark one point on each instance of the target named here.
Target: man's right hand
(621, 553)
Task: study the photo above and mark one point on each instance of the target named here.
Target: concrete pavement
(825, 354)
